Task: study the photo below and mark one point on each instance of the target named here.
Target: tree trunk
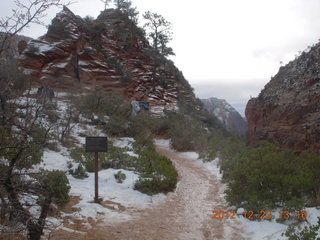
(35, 229)
(3, 209)
(19, 213)
(3, 109)
(118, 3)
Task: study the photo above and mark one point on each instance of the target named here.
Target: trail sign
(96, 145)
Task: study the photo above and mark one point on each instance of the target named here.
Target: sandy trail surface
(185, 214)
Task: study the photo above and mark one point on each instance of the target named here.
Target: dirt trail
(185, 214)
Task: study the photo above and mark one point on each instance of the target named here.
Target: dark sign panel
(96, 144)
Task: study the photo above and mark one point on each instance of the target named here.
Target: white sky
(226, 48)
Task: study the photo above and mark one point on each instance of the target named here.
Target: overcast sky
(226, 48)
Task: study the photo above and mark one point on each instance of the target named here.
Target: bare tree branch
(105, 3)
(24, 14)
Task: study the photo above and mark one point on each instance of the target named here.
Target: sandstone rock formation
(287, 111)
(110, 52)
(226, 114)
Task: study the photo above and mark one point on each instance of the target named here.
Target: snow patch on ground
(123, 194)
(55, 160)
(191, 155)
(123, 142)
(163, 142)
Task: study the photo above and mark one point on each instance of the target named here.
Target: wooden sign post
(96, 145)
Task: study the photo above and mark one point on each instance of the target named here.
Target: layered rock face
(287, 111)
(226, 114)
(110, 52)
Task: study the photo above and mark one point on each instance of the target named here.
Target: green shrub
(118, 158)
(160, 126)
(27, 156)
(58, 184)
(100, 103)
(268, 177)
(215, 143)
(140, 125)
(93, 28)
(294, 204)
(310, 167)
(315, 199)
(117, 126)
(120, 69)
(79, 172)
(56, 27)
(186, 133)
(142, 143)
(154, 185)
(12, 76)
(69, 164)
(307, 233)
(89, 19)
(148, 186)
(32, 50)
(230, 147)
(87, 159)
(53, 146)
(158, 173)
(120, 177)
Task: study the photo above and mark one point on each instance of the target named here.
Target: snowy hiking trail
(185, 214)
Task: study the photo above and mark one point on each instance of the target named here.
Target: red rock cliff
(110, 52)
(287, 111)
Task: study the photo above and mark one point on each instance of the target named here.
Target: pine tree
(159, 32)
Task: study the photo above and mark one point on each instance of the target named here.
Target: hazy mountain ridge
(227, 115)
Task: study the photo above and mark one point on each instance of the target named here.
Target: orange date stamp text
(259, 215)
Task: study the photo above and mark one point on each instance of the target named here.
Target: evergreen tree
(126, 7)
(159, 32)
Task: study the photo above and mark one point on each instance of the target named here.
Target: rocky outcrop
(287, 111)
(226, 114)
(110, 52)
